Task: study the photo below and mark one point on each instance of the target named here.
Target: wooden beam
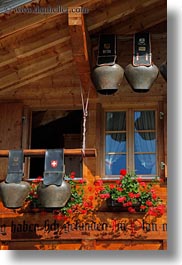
(22, 22)
(34, 69)
(89, 152)
(32, 58)
(131, 24)
(14, 48)
(118, 10)
(80, 50)
(51, 41)
(48, 72)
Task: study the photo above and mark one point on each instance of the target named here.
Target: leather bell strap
(54, 167)
(15, 166)
(107, 50)
(142, 55)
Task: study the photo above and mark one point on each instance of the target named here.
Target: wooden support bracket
(81, 50)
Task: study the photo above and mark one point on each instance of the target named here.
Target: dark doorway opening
(56, 129)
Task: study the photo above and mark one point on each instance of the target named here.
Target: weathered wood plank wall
(59, 88)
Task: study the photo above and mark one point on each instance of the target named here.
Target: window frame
(159, 129)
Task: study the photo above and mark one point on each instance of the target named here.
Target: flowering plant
(77, 203)
(130, 191)
(32, 197)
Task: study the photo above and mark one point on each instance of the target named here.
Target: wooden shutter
(10, 131)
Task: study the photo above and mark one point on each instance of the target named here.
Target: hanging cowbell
(54, 192)
(142, 73)
(107, 75)
(14, 191)
(163, 70)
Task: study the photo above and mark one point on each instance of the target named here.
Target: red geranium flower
(149, 203)
(137, 195)
(127, 204)
(82, 181)
(143, 184)
(121, 199)
(38, 179)
(90, 188)
(154, 196)
(131, 210)
(83, 211)
(161, 209)
(72, 175)
(99, 189)
(111, 186)
(131, 195)
(98, 182)
(123, 172)
(142, 207)
(139, 179)
(86, 204)
(105, 195)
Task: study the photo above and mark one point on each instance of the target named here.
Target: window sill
(113, 179)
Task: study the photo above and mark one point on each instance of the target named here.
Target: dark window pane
(115, 121)
(144, 120)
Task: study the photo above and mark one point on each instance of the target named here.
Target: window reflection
(116, 142)
(114, 163)
(137, 145)
(145, 142)
(142, 145)
(145, 164)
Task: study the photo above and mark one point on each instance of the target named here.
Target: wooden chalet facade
(46, 63)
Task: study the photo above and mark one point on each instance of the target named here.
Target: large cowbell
(13, 190)
(107, 75)
(142, 73)
(54, 192)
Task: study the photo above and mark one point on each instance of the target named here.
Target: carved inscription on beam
(80, 50)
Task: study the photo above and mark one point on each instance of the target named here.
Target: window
(54, 129)
(130, 142)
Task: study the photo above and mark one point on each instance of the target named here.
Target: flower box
(130, 193)
(115, 206)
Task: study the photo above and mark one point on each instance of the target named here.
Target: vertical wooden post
(80, 44)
